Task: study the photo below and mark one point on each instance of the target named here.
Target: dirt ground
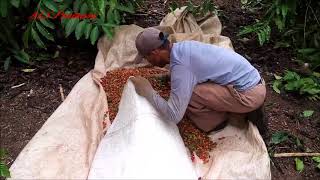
(23, 110)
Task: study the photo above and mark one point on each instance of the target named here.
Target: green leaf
(260, 38)
(110, 16)
(291, 76)
(36, 37)
(102, 8)
(87, 30)
(22, 56)
(279, 137)
(299, 164)
(56, 54)
(108, 31)
(84, 8)
(71, 26)
(4, 8)
(276, 85)
(311, 91)
(307, 51)
(51, 5)
(173, 6)
(6, 64)
(316, 74)
(245, 30)
(80, 29)
(129, 8)
(44, 32)
(47, 23)
(279, 23)
(298, 143)
(316, 159)
(110, 25)
(291, 86)
(4, 170)
(284, 10)
(76, 5)
(117, 17)
(92, 6)
(15, 3)
(3, 153)
(64, 22)
(277, 77)
(94, 35)
(25, 37)
(308, 113)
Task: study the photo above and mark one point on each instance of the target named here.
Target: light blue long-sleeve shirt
(193, 62)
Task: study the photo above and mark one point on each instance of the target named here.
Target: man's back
(212, 63)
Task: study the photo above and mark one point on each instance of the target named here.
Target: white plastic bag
(141, 145)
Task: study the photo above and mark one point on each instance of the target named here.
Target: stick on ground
(295, 154)
(61, 93)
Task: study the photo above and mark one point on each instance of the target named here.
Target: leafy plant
(204, 8)
(4, 170)
(311, 55)
(299, 164)
(106, 16)
(296, 20)
(251, 5)
(261, 29)
(86, 19)
(277, 12)
(279, 137)
(293, 82)
(307, 113)
(317, 160)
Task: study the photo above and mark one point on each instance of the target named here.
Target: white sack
(141, 145)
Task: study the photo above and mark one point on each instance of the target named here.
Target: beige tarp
(66, 144)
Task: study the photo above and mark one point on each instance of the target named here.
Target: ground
(23, 110)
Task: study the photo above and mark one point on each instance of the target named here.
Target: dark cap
(149, 39)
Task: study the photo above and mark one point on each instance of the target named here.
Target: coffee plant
(297, 21)
(25, 21)
(203, 8)
(293, 82)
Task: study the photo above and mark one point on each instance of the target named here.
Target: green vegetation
(38, 21)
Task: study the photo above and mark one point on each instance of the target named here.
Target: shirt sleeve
(182, 84)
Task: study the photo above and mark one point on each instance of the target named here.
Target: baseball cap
(149, 39)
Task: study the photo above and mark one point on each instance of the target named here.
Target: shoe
(258, 118)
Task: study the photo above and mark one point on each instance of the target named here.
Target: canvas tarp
(66, 145)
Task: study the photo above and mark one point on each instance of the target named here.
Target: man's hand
(143, 87)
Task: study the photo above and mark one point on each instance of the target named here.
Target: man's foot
(258, 118)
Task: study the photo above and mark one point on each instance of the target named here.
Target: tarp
(66, 145)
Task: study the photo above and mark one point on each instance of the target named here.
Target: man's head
(153, 45)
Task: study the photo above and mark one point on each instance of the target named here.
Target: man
(208, 82)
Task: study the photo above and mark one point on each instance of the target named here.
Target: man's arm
(182, 84)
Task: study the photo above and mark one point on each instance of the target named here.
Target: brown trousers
(211, 104)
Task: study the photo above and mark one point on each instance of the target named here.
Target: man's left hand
(143, 87)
